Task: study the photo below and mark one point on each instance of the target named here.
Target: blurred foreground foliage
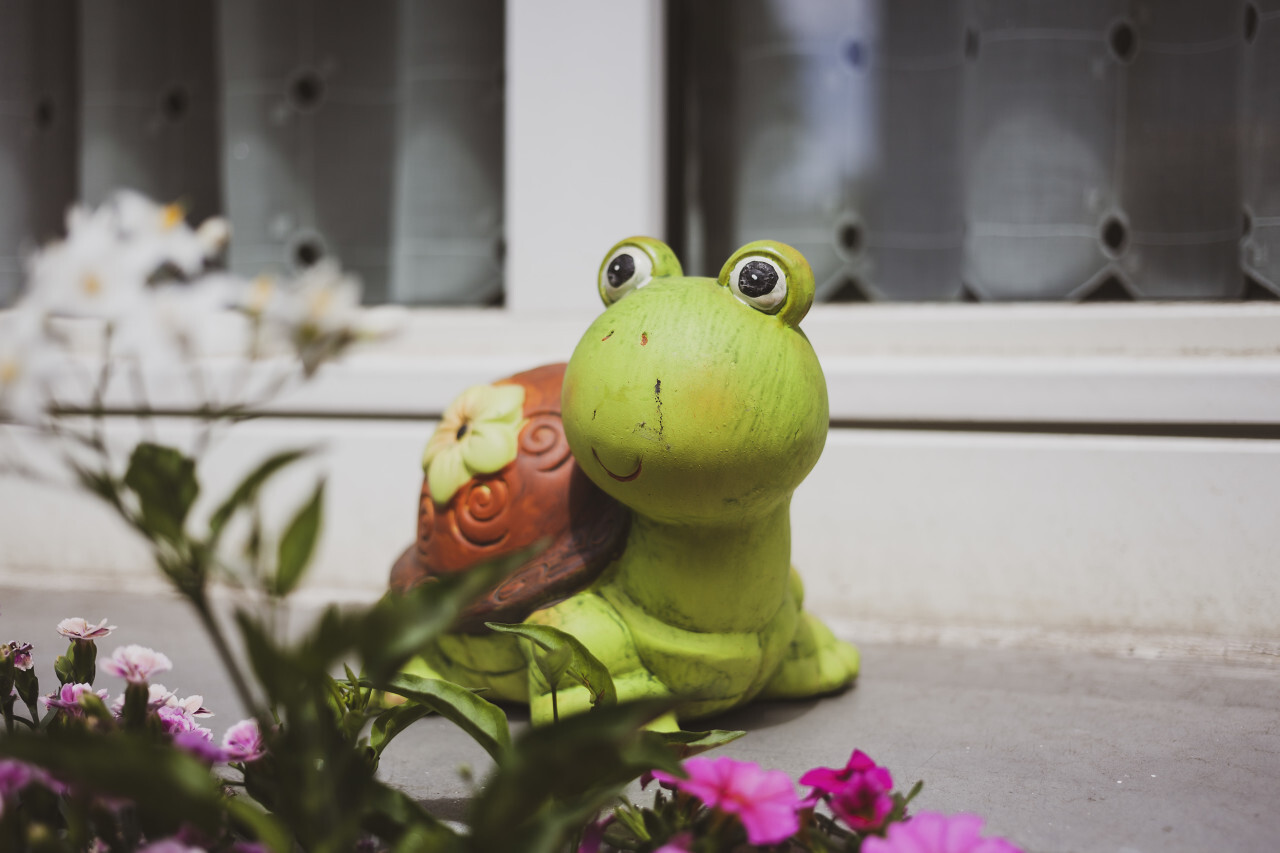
(316, 788)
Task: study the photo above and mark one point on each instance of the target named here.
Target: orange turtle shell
(541, 494)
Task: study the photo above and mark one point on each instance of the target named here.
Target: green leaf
(553, 663)
(64, 669)
(262, 825)
(27, 683)
(249, 487)
(164, 481)
(581, 666)
(396, 817)
(688, 744)
(299, 543)
(478, 717)
(557, 777)
(422, 839)
(83, 656)
(134, 714)
(392, 722)
(632, 820)
(98, 483)
(279, 675)
(400, 626)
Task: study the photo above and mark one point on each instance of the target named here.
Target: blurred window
(987, 150)
(372, 131)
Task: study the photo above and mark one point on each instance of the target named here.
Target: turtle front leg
(815, 662)
(597, 626)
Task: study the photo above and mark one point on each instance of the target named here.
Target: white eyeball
(626, 269)
(759, 281)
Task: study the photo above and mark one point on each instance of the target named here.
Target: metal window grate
(989, 149)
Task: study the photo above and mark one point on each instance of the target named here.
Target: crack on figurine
(657, 398)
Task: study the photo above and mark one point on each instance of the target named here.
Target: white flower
(214, 234)
(322, 300)
(179, 320)
(89, 273)
(136, 664)
(113, 252)
(27, 359)
(159, 235)
(317, 312)
(77, 628)
(382, 321)
(192, 706)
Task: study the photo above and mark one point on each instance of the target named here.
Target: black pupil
(462, 430)
(757, 278)
(621, 270)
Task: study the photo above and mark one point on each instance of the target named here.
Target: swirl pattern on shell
(479, 511)
(543, 440)
(426, 519)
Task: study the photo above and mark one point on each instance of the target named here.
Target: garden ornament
(660, 462)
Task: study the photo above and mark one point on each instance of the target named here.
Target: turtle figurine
(658, 464)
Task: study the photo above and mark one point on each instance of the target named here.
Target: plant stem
(214, 630)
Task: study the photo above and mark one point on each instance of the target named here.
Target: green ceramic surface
(698, 404)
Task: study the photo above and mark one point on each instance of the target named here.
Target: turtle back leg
(816, 662)
(490, 661)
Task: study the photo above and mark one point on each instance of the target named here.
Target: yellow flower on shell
(477, 435)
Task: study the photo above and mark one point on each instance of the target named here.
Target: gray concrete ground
(1059, 752)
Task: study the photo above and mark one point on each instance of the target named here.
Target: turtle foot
(816, 663)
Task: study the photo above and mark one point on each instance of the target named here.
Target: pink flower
(176, 721)
(930, 832)
(21, 653)
(858, 794)
(77, 628)
(136, 664)
(159, 696)
(593, 835)
(68, 698)
(16, 775)
(193, 705)
(170, 845)
(243, 742)
(764, 800)
(199, 743)
(682, 843)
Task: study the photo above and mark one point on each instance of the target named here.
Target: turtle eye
(758, 281)
(625, 270)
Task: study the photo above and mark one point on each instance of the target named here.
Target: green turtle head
(693, 400)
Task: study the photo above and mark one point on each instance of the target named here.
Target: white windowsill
(1143, 363)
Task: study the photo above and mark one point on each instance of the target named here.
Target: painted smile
(620, 478)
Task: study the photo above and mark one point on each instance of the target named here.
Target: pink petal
(824, 778)
(769, 823)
